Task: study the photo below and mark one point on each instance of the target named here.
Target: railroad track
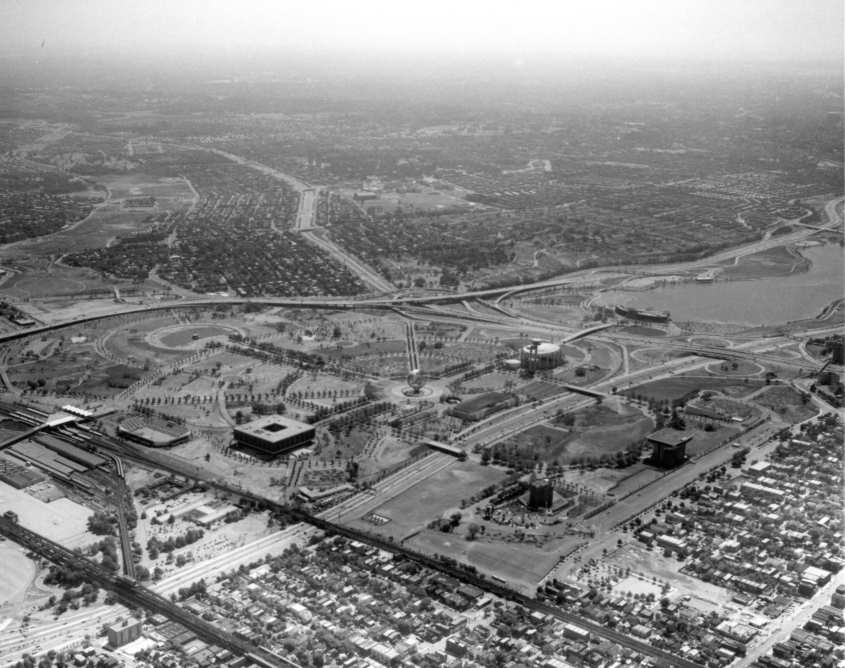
(136, 595)
(359, 503)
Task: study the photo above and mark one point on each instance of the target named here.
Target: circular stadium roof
(544, 349)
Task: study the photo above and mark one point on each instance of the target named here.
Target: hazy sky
(671, 29)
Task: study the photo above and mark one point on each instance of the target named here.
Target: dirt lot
(63, 520)
(652, 564)
(15, 576)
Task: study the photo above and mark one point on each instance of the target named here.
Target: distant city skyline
(647, 30)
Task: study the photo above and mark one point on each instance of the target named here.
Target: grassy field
(77, 370)
(639, 476)
(490, 381)
(428, 500)
(640, 330)
(704, 441)
(183, 336)
(677, 387)
(777, 261)
(129, 341)
(596, 430)
(167, 191)
(729, 407)
(111, 219)
(600, 430)
(786, 402)
(519, 564)
(40, 281)
(739, 368)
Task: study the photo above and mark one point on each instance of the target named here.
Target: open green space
(592, 433)
(186, 335)
(779, 261)
(790, 404)
(678, 388)
(520, 564)
(428, 500)
(641, 330)
(704, 441)
(739, 368)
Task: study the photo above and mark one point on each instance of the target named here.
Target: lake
(762, 301)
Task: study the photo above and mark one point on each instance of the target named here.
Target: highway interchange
(442, 307)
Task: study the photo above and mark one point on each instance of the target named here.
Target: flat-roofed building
(122, 633)
(669, 447)
(483, 405)
(274, 435)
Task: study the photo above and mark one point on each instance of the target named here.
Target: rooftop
(543, 348)
(670, 437)
(273, 428)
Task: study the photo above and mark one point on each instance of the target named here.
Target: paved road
(306, 215)
(647, 496)
(368, 275)
(295, 183)
(379, 283)
(795, 619)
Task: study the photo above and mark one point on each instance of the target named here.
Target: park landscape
(534, 376)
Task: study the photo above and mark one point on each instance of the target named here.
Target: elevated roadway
(131, 593)
(588, 331)
(392, 300)
(357, 505)
(596, 394)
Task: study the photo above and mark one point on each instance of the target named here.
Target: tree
(101, 524)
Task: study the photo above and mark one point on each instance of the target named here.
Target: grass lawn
(429, 499)
(678, 387)
(786, 402)
(640, 330)
(772, 262)
(519, 564)
(183, 336)
(595, 430)
(739, 368)
(704, 441)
